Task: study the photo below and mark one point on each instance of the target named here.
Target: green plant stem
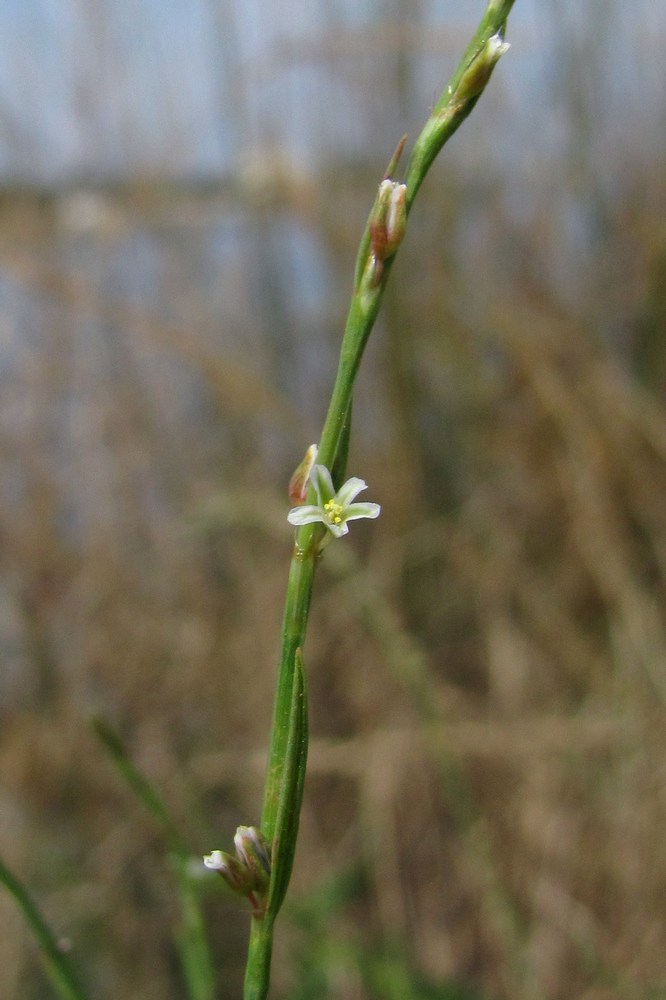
(297, 606)
(358, 327)
(451, 109)
(258, 968)
(456, 102)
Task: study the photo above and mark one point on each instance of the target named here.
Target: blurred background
(183, 185)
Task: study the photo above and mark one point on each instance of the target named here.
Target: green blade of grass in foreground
(56, 963)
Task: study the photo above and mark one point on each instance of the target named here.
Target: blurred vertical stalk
(191, 939)
(379, 243)
(55, 960)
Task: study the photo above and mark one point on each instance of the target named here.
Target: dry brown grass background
(486, 799)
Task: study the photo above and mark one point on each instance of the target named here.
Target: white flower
(215, 860)
(333, 509)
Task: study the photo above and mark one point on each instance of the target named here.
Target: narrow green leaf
(339, 469)
(56, 963)
(291, 792)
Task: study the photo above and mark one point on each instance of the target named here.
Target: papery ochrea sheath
(299, 482)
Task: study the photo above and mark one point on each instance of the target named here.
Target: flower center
(333, 512)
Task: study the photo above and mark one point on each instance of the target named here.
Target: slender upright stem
(258, 968)
(455, 103)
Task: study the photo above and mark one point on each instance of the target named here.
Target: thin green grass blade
(140, 785)
(57, 965)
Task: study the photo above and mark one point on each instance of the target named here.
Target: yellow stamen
(333, 511)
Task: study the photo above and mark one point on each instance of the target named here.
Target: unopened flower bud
(254, 853)
(477, 73)
(249, 873)
(300, 481)
(237, 876)
(388, 219)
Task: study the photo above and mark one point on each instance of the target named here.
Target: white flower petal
(323, 484)
(215, 860)
(337, 529)
(349, 490)
(305, 515)
(356, 510)
(333, 509)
